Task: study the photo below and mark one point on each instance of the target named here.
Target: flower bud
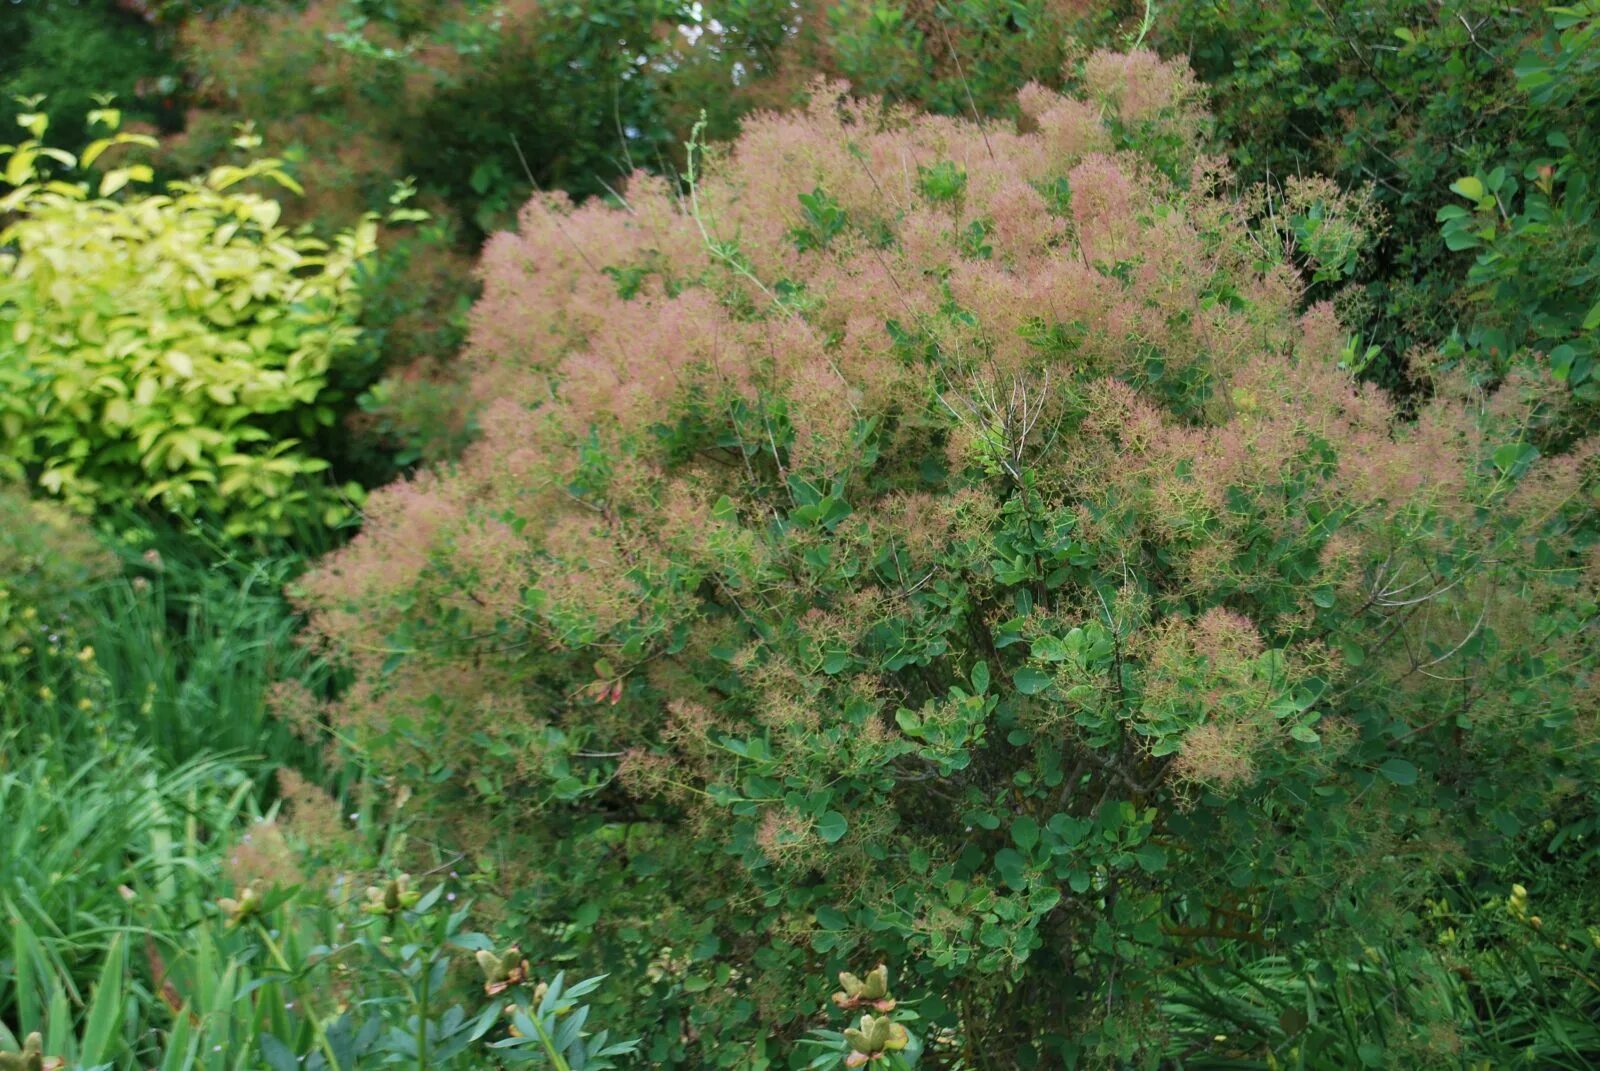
(1517, 902)
(31, 1058)
(242, 910)
(858, 992)
(394, 897)
(503, 971)
(874, 1036)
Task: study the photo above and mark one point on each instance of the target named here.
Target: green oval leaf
(831, 826)
(1399, 771)
(980, 678)
(1030, 681)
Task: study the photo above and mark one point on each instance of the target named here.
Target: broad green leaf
(831, 826)
(1012, 867)
(1510, 455)
(1049, 649)
(1151, 857)
(1030, 681)
(112, 181)
(980, 678)
(1399, 770)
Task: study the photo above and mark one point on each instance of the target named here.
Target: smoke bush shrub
(952, 543)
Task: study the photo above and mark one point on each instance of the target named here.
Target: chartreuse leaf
(188, 322)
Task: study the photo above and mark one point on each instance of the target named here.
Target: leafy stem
(300, 991)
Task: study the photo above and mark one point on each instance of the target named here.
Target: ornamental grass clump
(953, 543)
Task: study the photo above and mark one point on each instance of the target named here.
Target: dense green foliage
(67, 52)
(1407, 96)
(955, 59)
(1535, 276)
(172, 347)
(123, 948)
